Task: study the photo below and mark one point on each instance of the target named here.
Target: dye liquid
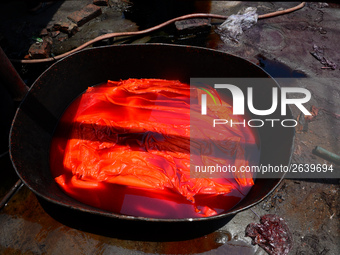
(125, 147)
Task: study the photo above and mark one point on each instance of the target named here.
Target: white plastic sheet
(233, 27)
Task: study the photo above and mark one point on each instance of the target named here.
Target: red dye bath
(125, 147)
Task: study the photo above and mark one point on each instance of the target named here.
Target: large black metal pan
(54, 90)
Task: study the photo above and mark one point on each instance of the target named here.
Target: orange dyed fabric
(125, 147)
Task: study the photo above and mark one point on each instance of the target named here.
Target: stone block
(89, 12)
(41, 49)
(69, 28)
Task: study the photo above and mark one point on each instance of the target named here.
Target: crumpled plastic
(231, 29)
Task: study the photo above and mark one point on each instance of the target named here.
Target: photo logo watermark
(204, 100)
(238, 105)
(243, 129)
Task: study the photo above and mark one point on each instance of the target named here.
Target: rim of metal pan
(92, 210)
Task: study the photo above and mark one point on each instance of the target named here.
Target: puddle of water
(277, 69)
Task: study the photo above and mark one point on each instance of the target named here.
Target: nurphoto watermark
(245, 127)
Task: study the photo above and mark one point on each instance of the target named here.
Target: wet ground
(280, 45)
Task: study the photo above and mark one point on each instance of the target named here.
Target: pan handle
(11, 193)
(11, 79)
(17, 89)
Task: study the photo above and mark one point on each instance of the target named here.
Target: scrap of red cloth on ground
(272, 234)
(125, 147)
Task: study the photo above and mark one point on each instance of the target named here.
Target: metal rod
(325, 154)
(11, 79)
(11, 193)
(258, 216)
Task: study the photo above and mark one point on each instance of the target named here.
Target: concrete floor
(281, 45)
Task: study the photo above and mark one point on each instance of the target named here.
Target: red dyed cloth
(133, 137)
(272, 234)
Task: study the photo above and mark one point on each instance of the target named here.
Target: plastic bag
(233, 27)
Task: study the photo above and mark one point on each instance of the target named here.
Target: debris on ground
(272, 234)
(42, 46)
(232, 28)
(302, 123)
(41, 49)
(335, 115)
(272, 202)
(62, 38)
(191, 24)
(69, 28)
(314, 111)
(318, 53)
(55, 33)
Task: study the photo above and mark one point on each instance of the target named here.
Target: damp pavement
(280, 45)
